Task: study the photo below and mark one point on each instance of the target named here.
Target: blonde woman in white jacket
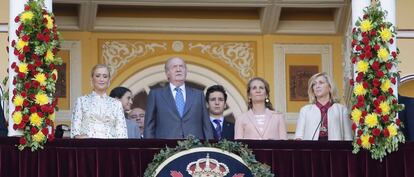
(324, 118)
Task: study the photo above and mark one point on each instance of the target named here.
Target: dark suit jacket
(227, 130)
(3, 127)
(163, 121)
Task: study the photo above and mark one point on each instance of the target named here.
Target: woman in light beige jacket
(260, 122)
(324, 118)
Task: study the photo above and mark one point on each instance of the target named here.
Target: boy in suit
(216, 98)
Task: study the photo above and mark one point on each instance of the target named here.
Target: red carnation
(388, 66)
(36, 84)
(354, 126)
(17, 19)
(33, 130)
(376, 82)
(21, 125)
(364, 113)
(353, 30)
(13, 43)
(385, 118)
(393, 81)
(17, 33)
(21, 57)
(359, 132)
(16, 52)
(377, 47)
(371, 140)
(376, 102)
(394, 54)
(40, 114)
(376, 132)
(359, 142)
(394, 101)
(391, 41)
(25, 38)
(21, 75)
(13, 65)
(390, 91)
(51, 110)
(365, 85)
(38, 63)
(359, 78)
(20, 28)
(22, 140)
(380, 73)
(353, 42)
(45, 31)
(375, 65)
(26, 49)
(15, 126)
(358, 47)
(48, 121)
(18, 108)
(365, 40)
(398, 122)
(45, 131)
(14, 80)
(33, 109)
(360, 104)
(47, 38)
(353, 60)
(362, 56)
(378, 110)
(40, 36)
(373, 33)
(382, 97)
(27, 85)
(375, 91)
(25, 118)
(26, 8)
(386, 132)
(364, 34)
(368, 54)
(25, 103)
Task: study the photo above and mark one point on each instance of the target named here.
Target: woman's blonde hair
(100, 66)
(333, 92)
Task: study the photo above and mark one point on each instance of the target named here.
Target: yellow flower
(52, 117)
(35, 120)
(41, 78)
(385, 107)
(385, 34)
(365, 141)
(39, 136)
(49, 21)
(18, 100)
(362, 66)
(385, 85)
(23, 67)
(392, 129)
(366, 25)
(359, 89)
(17, 117)
(26, 16)
(371, 120)
(21, 44)
(356, 115)
(41, 98)
(50, 56)
(383, 54)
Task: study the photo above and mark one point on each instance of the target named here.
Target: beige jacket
(339, 123)
(246, 127)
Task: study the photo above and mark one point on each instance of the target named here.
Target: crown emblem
(207, 167)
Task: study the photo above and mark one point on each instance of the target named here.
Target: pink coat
(275, 126)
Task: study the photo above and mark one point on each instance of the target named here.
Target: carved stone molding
(238, 55)
(118, 53)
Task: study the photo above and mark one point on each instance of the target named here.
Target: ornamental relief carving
(237, 55)
(119, 53)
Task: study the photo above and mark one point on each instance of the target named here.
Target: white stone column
(357, 12)
(15, 8)
(389, 6)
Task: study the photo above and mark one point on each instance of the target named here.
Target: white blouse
(98, 117)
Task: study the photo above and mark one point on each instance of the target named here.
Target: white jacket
(339, 123)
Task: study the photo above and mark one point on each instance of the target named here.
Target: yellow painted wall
(303, 60)
(4, 11)
(407, 89)
(406, 56)
(405, 14)
(3, 56)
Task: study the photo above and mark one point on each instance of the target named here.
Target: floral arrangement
(258, 169)
(33, 97)
(375, 107)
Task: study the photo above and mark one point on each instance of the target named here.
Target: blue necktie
(179, 101)
(218, 128)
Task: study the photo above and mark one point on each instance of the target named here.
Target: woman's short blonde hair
(100, 66)
(333, 92)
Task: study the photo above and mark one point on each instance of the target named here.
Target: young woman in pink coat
(260, 122)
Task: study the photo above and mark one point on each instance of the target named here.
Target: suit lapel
(189, 99)
(169, 99)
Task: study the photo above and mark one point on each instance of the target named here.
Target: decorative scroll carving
(238, 55)
(118, 53)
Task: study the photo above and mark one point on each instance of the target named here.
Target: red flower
(18, 108)
(361, 98)
(13, 65)
(376, 132)
(17, 19)
(354, 126)
(38, 63)
(40, 114)
(393, 81)
(376, 82)
(386, 132)
(44, 108)
(15, 126)
(52, 66)
(25, 38)
(390, 91)
(48, 121)
(21, 57)
(391, 41)
(25, 118)
(373, 33)
(377, 47)
(359, 78)
(358, 48)
(368, 54)
(26, 8)
(21, 75)
(27, 85)
(353, 60)
(25, 103)
(16, 52)
(365, 85)
(33, 130)
(362, 56)
(54, 77)
(33, 109)
(51, 110)
(378, 110)
(47, 38)
(398, 122)
(364, 113)
(359, 142)
(36, 84)
(376, 102)
(40, 36)
(360, 104)
(359, 132)
(353, 42)
(388, 65)
(365, 16)
(394, 101)
(365, 40)
(385, 118)
(22, 140)
(394, 54)
(381, 98)
(380, 73)
(375, 65)
(372, 140)
(45, 131)
(375, 91)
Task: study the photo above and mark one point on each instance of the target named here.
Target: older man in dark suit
(216, 98)
(176, 110)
